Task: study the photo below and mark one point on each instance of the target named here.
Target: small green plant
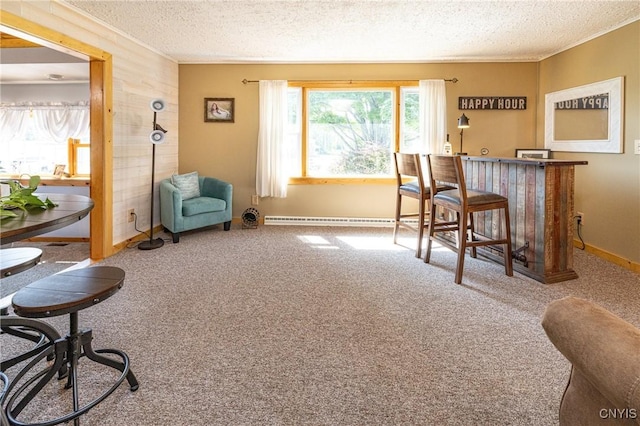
(21, 198)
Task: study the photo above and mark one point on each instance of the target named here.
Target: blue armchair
(211, 206)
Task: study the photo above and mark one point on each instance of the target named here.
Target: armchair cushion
(604, 351)
(187, 184)
(199, 205)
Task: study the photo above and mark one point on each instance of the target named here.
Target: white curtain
(63, 123)
(271, 169)
(11, 123)
(433, 115)
(60, 121)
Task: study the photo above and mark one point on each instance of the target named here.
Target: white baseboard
(328, 221)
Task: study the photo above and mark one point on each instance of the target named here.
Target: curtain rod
(245, 81)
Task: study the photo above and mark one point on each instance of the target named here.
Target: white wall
(44, 92)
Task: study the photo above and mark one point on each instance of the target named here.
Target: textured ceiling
(312, 31)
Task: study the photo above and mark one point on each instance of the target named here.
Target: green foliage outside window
(350, 132)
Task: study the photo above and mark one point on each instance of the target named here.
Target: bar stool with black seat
(410, 166)
(12, 262)
(447, 169)
(61, 294)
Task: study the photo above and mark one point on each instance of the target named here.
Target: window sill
(342, 181)
(51, 181)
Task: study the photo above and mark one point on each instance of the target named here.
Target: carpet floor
(284, 325)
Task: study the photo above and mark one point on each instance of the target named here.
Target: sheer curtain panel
(433, 115)
(60, 121)
(11, 123)
(271, 169)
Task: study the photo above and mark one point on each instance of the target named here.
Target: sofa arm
(603, 347)
(170, 206)
(216, 188)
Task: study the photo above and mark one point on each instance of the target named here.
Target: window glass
(83, 160)
(294, 131)
(350, 132)
(410, 120)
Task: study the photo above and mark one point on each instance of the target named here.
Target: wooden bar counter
(540, 193)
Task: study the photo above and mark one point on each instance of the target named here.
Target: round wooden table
(70, 208)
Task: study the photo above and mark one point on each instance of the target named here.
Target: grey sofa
(211, 207)
(604, 351)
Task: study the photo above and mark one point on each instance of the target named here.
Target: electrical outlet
(255, 200)
(131, 215)
(636, 147)
(580, 216)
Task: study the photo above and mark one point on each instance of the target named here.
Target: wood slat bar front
(541, 207)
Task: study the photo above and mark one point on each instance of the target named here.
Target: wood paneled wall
(138, 76)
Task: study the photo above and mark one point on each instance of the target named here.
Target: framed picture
(532, 153)
(588, 118)
(219, 110)
(58, 170)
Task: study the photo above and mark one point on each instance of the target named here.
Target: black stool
(67, 293)
(14, 261)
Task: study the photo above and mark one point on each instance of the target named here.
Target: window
(350, 130)
(410, 120)
(79, 157)
(38, 139)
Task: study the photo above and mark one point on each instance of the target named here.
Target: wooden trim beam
(101, 110)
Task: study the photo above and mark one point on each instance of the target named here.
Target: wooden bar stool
(408, 165)
(447, 169)
(60, 294)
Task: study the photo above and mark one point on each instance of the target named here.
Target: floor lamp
(156, 137)
(463, 123)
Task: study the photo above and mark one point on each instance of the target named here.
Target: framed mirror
(585, 118)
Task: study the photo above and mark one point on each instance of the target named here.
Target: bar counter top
(542, 162)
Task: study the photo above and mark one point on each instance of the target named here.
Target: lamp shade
(156, 137)
(157, 105)
(463, 122)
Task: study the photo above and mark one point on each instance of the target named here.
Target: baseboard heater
(329, 221)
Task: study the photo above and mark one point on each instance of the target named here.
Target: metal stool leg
(38, 332)
(69, 350)
(3, 392)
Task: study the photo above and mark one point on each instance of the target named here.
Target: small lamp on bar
(463, 123)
